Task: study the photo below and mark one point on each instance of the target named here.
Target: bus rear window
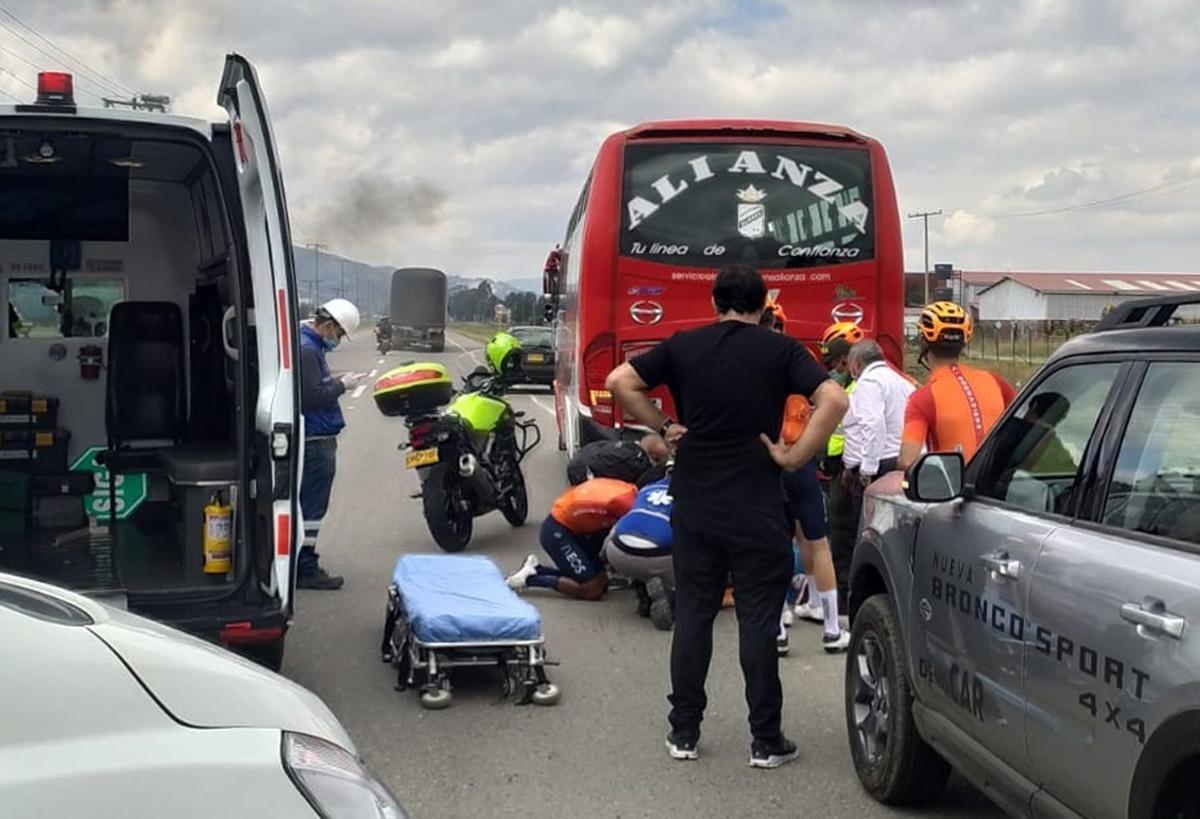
(770, 206)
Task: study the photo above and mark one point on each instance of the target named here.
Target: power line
(58, 61)
(19, 79)
(39, 68)
(84, 66)
(1178, 183)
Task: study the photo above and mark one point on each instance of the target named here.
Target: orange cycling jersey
(955, 409)
(594, 505)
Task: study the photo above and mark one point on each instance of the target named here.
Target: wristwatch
(664, 426)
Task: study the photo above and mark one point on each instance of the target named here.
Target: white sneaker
(814, 613)
(836, 644)
(788, 618)
(516, 580)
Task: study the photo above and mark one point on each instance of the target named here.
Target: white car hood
(205, 686)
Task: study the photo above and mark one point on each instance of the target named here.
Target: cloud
(962, 229)
(460, 133)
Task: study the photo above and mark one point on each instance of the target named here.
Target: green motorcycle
(468, 449)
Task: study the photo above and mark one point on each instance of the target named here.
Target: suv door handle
(1161, 621)
(1002, 565)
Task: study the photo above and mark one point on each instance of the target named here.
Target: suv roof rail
(1155, 311)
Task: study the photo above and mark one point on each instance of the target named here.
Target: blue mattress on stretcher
(462, 599)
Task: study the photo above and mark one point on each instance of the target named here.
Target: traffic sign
(130, 488)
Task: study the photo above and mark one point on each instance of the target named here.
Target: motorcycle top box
(413, 388)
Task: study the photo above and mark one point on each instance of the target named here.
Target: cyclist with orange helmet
(958, 404)
(807, 505)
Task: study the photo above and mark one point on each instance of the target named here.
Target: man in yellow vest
(835, 354)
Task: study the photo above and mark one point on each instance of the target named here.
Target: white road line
(372, 373)
(542, 406)
(380, 361)
(358, 391)
(472, 353)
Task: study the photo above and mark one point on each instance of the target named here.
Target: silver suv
(1030, 618)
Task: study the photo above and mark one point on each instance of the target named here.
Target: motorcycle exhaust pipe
(467, 465)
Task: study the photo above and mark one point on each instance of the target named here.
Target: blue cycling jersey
(646, 529)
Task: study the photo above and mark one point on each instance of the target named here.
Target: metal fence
(1018, 341)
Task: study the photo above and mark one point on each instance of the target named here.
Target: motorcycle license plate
(536, 358)
(421, 457)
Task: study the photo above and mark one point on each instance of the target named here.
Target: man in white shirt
(875, 420)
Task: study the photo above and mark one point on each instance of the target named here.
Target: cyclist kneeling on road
(573, 535)
(639, 548)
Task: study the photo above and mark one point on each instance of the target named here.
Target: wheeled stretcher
(451, 611)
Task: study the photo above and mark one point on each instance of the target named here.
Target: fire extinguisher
(91, 359)
(218, 536)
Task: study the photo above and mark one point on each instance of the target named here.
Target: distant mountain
(320, 278)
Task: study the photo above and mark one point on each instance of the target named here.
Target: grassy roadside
(478, 332)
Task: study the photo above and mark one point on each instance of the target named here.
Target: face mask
(843, 379)
(331, 343)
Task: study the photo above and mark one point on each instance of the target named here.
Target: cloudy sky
(458, 133)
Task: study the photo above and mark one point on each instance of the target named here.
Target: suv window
(1156, 483)
(1036, 452)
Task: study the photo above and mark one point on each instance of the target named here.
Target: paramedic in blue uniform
(323, 422)
(729, 381)
(639, 548)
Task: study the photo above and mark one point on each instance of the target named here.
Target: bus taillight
(598, 361)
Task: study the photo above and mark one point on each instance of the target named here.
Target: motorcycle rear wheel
(450, 524)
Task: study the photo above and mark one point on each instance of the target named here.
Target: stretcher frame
(426, 665)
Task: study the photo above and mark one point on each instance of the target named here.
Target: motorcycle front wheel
(515, 504)
(449, 519)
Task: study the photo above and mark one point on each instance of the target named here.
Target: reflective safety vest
(837, 441)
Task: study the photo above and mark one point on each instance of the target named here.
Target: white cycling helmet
(343, 312)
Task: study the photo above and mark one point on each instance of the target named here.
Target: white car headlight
(335, 783)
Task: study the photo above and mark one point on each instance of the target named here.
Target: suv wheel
(892, 761)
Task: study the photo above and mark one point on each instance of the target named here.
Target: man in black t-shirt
(729, 382)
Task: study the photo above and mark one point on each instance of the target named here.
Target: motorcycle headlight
(334, 782)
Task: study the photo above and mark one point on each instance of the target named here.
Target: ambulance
(150, 434)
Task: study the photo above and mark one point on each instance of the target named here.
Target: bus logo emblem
(751, 213)
(646, 312)
(847, 311)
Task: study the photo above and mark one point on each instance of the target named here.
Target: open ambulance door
(272, 270)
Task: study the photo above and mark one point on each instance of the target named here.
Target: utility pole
(924, 216)
(317, 247)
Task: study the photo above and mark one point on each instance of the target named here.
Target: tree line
(479, 304)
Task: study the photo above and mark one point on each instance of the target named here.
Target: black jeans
(843, 527)
(759, 558)
(855, 505)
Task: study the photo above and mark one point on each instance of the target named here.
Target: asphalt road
(599, 753)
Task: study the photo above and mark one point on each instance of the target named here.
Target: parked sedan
(105, 714)
(537, 353)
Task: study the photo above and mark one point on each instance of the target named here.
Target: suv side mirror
(936, 478)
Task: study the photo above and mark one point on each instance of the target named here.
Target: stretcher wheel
(436, 699)
(547, 694)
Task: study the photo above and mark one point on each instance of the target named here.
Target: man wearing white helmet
(319, 393)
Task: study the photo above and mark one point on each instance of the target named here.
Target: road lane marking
(372, 373)
(358, 391)
(471, 353)
(542, 406)
(380, 361)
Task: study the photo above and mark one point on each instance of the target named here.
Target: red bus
(669, 203)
